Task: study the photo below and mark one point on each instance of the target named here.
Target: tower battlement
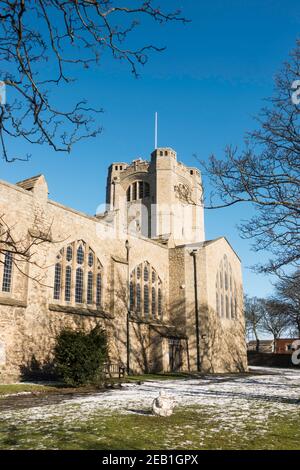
(159, 197)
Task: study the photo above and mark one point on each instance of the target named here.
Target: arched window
(90, 290)
(232, 308)
(141, 189)
(153, 302)
(217, 302)
(146, 300)
(99, 289)
(79, 286)
(226, 300)
(68, 284)
(134, 192)
(159, 302)
(91, 259)
(145, 285)
(131, 296)
(57, 281)
(227, 307)
(81, 271)
(7, 272)
(69, 253)
(80, 255)
(235, 303)
(138, 190)
(138, 298)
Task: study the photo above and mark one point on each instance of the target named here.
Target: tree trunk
(274, 343)
(257, 341)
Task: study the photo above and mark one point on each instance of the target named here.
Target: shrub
(79, 356)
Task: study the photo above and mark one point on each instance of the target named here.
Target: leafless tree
(23, 249)
(66, 35)
(288, 293)
(266, 174)
(274, 319)
(254, 316)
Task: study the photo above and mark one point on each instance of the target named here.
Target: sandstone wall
(30, 317)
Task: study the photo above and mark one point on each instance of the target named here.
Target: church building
(169, 299)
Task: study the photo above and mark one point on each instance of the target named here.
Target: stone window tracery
(226, 293)
(78, 275)
(146, 292)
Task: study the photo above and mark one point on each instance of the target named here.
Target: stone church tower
(160, 199)
(168, 298)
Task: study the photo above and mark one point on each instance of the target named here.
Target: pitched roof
(29, 183)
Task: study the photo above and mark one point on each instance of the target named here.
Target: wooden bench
(114, 370)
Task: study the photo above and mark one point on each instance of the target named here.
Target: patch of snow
(15, 394)
(230, 400)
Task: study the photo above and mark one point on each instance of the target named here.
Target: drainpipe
(128, 310)
(194, 255)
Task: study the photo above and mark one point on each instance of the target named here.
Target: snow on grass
(233, 401)
(15, 394)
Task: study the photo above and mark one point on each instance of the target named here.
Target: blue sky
(206, 87)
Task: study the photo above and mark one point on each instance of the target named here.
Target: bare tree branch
(24, 249)
(66, 35)
(266, 174)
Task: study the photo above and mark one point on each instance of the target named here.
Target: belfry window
(226, 293)
(7, 272)
(134, 191)
(146, 292)
(141, 189)
(77, 276)
(138, 190)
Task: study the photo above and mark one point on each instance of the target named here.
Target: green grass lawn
(11, 389)
(188, 428)
(169, 376)
(260, 412)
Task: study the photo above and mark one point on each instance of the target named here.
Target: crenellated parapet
(158, 198)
